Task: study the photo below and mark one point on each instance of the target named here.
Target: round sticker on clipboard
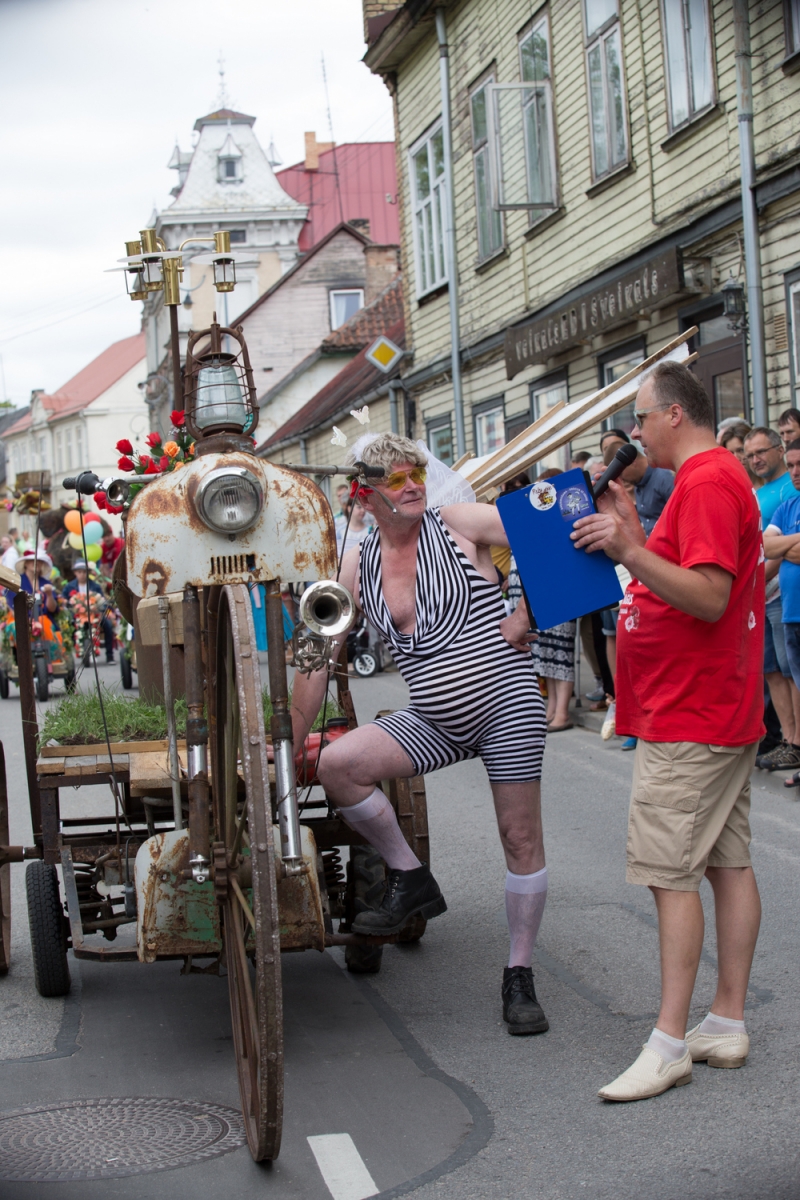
(543, 496)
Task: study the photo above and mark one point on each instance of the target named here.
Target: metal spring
(334, 871)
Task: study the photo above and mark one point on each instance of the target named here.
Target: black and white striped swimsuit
(472, 694)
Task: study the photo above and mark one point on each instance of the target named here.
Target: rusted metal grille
(232, 564)
(107, 1137)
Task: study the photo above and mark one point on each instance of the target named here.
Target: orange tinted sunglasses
(397, 479)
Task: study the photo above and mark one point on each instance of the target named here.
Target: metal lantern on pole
(219, 390)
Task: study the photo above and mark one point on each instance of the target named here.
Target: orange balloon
(73, 521)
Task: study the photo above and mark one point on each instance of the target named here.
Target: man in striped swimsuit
(425, 579)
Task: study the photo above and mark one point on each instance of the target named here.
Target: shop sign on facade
(597, 309)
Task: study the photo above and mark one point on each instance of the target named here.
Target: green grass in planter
(331, 710)
(77, 720)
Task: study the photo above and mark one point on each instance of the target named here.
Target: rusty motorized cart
(206, 855)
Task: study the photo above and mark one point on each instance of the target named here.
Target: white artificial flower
(338, 439)
(361, 414)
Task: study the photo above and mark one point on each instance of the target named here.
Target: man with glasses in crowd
(689, 686)
(425, 579)
(763, 453)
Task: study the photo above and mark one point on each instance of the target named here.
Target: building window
(545, 393)
(537, 105)
(791, 11)
(440, 439)
(428, 187)
(59, 452)
(70, 461)
(606, 86)
(793, 297)
(238, 236)
(613, 365)
(489, 418)
(690, 70)
(345, 304)
(490, 222)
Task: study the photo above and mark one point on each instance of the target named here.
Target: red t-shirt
(680, 679)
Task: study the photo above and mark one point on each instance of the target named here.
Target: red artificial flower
(124, 446)
(125, 463)
(153, 440)
(100, 500)
(357, 490)
(152, 467)
(178, 418)
(114, 508)
(163, 462)
(144, 462)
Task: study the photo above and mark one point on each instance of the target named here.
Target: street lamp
(219, 390)
(733, 304)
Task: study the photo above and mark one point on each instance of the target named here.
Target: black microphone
(626, 455)
(85, 483)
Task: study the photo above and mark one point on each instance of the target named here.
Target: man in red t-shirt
(690, 688)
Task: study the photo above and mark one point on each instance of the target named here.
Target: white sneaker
(610, 723)
(718, 1049)
(649, 1076)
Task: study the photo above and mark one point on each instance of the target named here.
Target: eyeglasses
(754, 454)
(397, 479)
(640, 414)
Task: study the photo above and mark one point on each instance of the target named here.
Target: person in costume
(424, 578)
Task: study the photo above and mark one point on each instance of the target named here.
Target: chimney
(361, 224)
(381, 264)
(314, 149)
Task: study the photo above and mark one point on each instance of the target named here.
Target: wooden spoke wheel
(5, 874)
(410, 803)
(245, 869)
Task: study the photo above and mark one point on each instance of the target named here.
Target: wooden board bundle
(560, 424)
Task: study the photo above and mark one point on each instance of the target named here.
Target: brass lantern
(219, 392)
(224, 264)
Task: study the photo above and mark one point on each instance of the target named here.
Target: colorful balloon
(73, 521)
(93, 553)
(93, 532)
(87, 517)
(75, 541)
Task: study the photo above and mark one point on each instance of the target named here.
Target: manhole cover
(108, 1137)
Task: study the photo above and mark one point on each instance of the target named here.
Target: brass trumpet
(327, 610)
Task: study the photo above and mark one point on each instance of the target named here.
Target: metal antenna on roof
(223, 100)
(333, 140)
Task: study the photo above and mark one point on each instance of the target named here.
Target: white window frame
(494, 405)
(793, 290)
(545, 87)
(547, 383)
(692, 110)
(598, 40)
(68, 451)
(429, 230)
(59, 451)
(791, 16)
(343, 292)
(481, 155)
(222, 174)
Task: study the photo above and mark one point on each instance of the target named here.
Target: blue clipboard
(560, 581)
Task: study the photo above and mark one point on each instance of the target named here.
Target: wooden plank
(464, 459)
(101, 747)
(149, 771)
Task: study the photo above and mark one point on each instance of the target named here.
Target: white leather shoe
(649, 1076)
(718, 1049)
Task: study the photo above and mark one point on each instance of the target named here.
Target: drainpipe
(450, 232)
(752, 257)
(394, 388)
(303, 451)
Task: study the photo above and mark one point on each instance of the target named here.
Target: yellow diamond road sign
(384, 354)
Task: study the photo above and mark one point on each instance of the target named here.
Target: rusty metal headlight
(230, 499)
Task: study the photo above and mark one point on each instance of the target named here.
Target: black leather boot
(521, 1009)
(406, 894)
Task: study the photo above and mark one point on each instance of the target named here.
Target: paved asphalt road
(415, 1064)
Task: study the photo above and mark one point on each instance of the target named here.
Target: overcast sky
(95, 94)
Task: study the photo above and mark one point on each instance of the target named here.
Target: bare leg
(561, 690)
(519, 821)
(737, 907)
(680, 936)
(354, 765)
(611, 654)
(779, 690)
(795, 695)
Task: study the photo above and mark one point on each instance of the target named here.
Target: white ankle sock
(374, 819)
(720, 1025)
(670, 1048)
(525, 900)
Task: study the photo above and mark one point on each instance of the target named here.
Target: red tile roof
(345, 391)
(355, 181)
(95, 378)
(370, 322)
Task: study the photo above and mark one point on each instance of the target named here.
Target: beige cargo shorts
(690, 808)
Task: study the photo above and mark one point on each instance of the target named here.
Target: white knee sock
(525, 899)
(720, 1025)
(374, 819)
(670, 1048)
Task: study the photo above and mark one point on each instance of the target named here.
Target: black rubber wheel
(48, 930)
(125, 670)
(365, 664)
(69, 682)
(42, 678)
(87, 652)
(3, 685)
(366, 875)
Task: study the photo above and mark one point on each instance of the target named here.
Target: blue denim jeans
(775, 657)
(791, 632)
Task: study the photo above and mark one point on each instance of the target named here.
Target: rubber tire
(86, 658)
(42, 678)
(125, 671)
(69, 682)
(48, 931)
(366, 875)
(3, 685)
(365, 664)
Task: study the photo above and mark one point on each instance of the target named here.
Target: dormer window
(229, 161)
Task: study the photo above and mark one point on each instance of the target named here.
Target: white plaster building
(78, 426)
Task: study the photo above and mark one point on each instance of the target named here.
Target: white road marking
(342, 1167)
